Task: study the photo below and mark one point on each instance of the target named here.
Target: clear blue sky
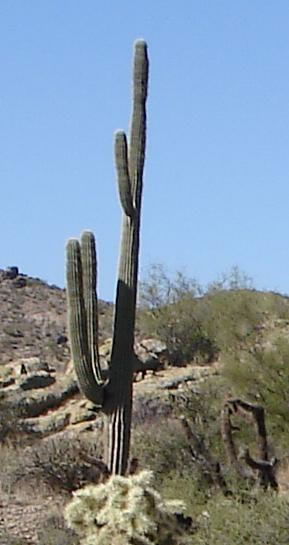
(217, 166)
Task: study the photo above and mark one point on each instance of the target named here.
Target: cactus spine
(114, 395)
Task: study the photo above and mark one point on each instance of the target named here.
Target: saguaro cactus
(112, 393)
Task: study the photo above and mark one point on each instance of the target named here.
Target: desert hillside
(191, 354)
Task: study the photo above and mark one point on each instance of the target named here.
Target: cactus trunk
(115, 394)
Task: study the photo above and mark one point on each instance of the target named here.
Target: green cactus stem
(113, 395)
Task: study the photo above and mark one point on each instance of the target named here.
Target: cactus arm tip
(82, 319)
(140, 42)
(122, 170)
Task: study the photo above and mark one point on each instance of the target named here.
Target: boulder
(19, 282)
(151, 355)
(39, 380)
(45, 425)
(33, 365)
(11, 272)
(154, 346)
(62, 339)
(40, 400)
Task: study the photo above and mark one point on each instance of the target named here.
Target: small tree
(263, 377)
(170, 311)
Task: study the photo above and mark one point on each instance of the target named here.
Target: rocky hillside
(36, 374)
(33, 319)
(44, 420)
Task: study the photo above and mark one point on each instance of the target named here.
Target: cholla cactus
(124, 510)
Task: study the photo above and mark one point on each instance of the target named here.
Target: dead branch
(255, 414)
(200, 452)
(227, 435)
(97, 463)
(263, 469)
(133, 466)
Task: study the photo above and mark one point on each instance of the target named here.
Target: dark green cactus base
(117, 430)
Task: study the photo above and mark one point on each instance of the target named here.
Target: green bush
(261, 520)
(125, 510)
(161, 446)
(63, 464)
(231, 318)
(9, 539)
(202, 409)
(263, 378)
(54, 530)
(197, 324)
(168, 312)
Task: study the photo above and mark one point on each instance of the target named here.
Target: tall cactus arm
(137, 141)
(91, 387)
(121, 161)
(89, 281)
(129, 254)
(119, 406)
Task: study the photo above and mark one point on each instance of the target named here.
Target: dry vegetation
(246, 331)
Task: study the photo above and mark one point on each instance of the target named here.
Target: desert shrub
(195, 468)
(168, 312)
(10, 421)
(202, 409)
(7, 539)
(12, 468)
(159, 289)
(218, 518)
(231, 318)
(56, 536)
(188, 487)
(54, 531)
(231, 310)
(63, 464)
(263, 377)
(234, 279)
(197, 492)
(12, 443)
(262, 519)
(126, 510)
(150, 409)
(197, 324)
(161, 446)
(184, 334)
